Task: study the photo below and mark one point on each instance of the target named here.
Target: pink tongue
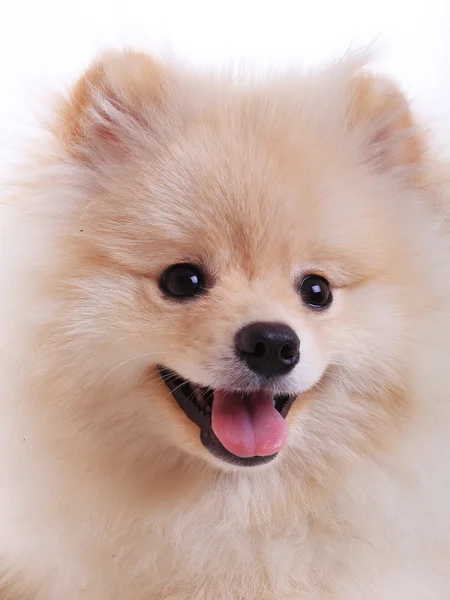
(248, 424)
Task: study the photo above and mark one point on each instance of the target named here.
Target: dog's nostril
(288, 351)
(269, 349)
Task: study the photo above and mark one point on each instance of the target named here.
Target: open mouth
(243, 428)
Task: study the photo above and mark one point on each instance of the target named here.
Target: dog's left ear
(120, 101)
(380, 116)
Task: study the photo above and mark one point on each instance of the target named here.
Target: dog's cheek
(367, 332)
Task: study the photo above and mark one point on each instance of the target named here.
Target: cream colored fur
(105, 490)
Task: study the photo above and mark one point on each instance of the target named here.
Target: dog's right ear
(390, 140)
(118, 102)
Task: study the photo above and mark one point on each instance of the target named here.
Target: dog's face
(239, 259)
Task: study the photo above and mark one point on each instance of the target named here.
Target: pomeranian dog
(225, 341)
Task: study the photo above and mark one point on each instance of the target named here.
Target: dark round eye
(315, 291)
(182, 281)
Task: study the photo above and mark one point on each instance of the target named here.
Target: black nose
(268, 349)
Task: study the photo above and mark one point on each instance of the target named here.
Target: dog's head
(244, 256)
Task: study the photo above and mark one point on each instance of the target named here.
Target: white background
(44, 43)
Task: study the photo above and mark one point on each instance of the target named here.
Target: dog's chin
(197, 404)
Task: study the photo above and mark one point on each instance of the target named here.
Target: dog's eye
(182, 281)
(315, 291)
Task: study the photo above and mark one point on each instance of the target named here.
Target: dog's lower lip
(185, 394)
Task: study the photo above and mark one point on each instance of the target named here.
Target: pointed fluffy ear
(380, 115)
(116, 103)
